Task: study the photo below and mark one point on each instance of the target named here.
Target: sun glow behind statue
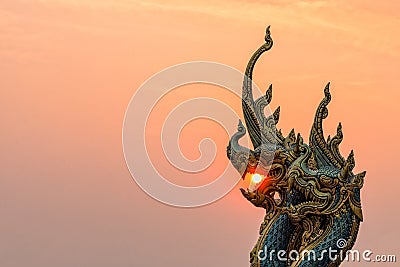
(255, 181)
(256, 178)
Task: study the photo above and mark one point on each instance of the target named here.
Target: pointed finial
(268, 38)
(326, 89)
(292, 136)
(362, 174)
(348, 166)
(339, 130)
(351, 161)
(268, 94)
(276, 114)
(269, 90)
(240, 126)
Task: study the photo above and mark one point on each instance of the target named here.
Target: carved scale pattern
(319, 196)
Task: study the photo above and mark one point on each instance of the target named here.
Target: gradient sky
(69, 68)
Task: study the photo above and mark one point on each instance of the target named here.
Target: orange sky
(69, 68)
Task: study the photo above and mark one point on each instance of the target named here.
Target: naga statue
(309, 192)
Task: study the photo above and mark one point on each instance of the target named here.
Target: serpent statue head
(309, 192)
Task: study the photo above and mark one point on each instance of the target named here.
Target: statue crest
(309, 191)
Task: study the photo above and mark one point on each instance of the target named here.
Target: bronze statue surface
(309, 192)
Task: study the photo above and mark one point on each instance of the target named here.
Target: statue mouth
(262, 181)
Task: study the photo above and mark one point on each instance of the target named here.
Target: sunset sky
(70, 67)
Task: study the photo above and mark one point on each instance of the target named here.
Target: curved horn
(237, 154)
(318, 144)
(251, 118)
